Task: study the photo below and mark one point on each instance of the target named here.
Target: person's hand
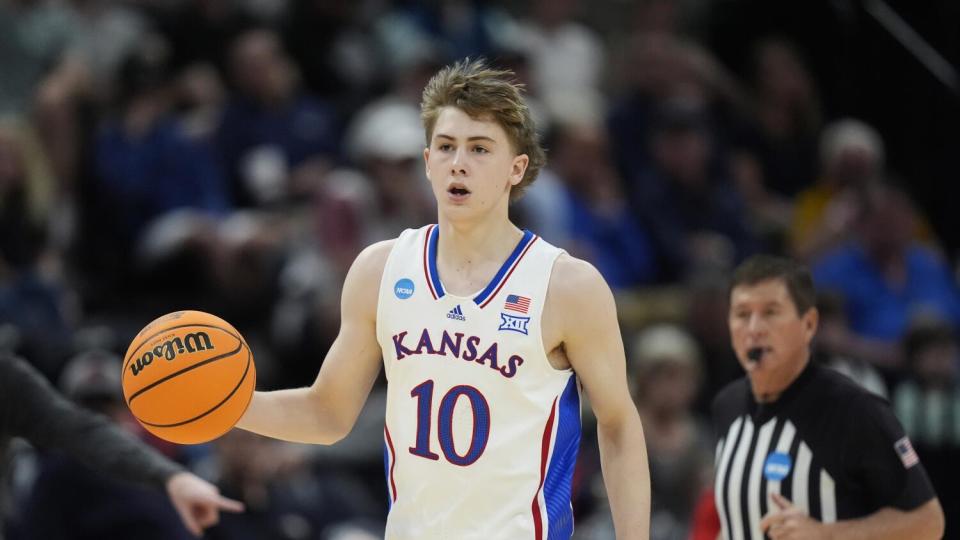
(787, 522)
(198, 502)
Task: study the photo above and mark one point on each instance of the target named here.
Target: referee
(803, 452)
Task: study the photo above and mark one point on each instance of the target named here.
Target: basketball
(188, 377)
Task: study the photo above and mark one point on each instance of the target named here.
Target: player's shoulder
(578, 302)
(368, 267)
(374, 257)
(576, 281)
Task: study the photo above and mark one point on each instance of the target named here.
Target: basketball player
(487, 334)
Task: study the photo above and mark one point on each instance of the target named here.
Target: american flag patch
(520, 304)
(906, 452)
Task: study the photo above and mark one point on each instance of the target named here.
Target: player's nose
(458, 165)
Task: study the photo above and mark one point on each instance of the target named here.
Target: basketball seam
(215, 407)
(182, 371)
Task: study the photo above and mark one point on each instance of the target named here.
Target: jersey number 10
(423, 393)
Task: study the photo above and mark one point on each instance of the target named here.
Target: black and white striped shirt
(830, 447)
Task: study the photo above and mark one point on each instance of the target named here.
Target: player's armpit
(581, 303)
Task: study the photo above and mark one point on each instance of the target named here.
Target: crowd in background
(235, 156)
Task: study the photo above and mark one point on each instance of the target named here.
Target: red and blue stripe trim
(430, 241)
(556, 466)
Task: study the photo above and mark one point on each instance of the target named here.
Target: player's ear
(426, 160)
(519, 168)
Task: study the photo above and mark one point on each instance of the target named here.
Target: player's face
(764, 315)
(471, 164)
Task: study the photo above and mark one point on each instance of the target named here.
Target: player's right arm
(325, 412)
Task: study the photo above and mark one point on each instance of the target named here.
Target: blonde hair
(483, 92)
(39, 181)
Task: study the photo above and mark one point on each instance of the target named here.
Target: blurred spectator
(707, 311)
(351, 209)
(276, 141)
(705, 523)
(774, 144)
(851, 161)
(567, 60)
(107, 32)
(26, 195)
(927, 403)
(667, 367)
(658, 16)
(654, 71)
(200, 31)
(285, 498)
(600, 226)
(386, 141)
(686, 200)
(331, 42)
(38, 36)
(146, 167)
(33, 299)
(885, 277)
(661, 68)
(455, 29)
(44, 75)
(199, 98)
(787, 117)
(828, 347)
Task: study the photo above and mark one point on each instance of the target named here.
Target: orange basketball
(188, 377)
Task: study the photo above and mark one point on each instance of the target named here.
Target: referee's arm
(921, 523)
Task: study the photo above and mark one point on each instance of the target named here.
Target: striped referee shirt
(833, 449)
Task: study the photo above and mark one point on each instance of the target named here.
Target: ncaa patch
(512, 323)
(777, 466)
(403, 288)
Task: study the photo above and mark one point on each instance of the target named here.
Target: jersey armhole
(539, 326)
(385, 286)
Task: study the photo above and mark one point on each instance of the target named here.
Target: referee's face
(762, 315)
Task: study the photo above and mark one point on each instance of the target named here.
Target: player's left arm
(585, 309)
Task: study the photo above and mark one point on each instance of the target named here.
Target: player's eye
(480, 150)
(445, 147)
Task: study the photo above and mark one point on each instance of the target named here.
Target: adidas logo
(456, 314)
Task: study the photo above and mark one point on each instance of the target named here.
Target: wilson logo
(169, 349)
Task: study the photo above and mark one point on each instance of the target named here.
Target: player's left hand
(198, 502)
(787, 522)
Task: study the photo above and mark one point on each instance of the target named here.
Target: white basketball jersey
(481, 432)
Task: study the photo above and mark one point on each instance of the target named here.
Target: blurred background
(234, 156)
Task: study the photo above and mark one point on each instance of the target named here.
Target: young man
(804, 452)
(486, 333)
